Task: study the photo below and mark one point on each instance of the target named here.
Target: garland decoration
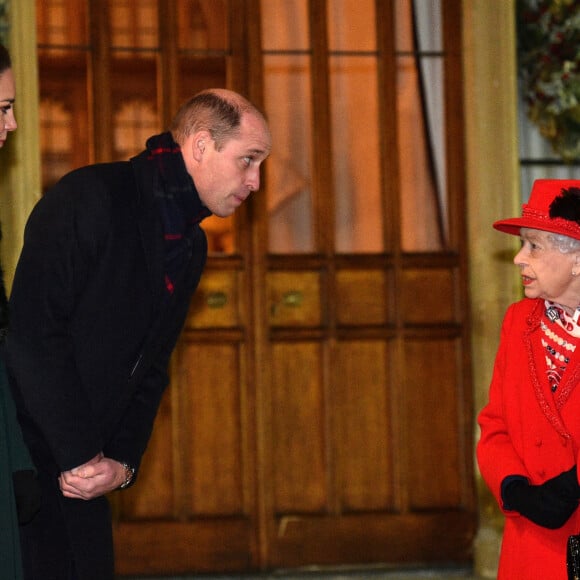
(548, 34)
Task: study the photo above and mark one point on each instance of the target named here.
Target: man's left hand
(97, 477)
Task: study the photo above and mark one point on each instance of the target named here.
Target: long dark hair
(5, 60)
(5, 64)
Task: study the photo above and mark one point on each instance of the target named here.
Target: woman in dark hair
(7, 95)
(18, 489)
(530, 429)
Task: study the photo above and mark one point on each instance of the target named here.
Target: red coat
(528, 430)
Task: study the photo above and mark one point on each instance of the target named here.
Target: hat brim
(556, 226)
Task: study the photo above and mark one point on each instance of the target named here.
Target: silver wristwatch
(129, 473)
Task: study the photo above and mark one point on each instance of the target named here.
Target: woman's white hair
(565, 244)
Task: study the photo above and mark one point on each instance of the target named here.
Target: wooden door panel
(428, 296)
(298, 435)
(362, 427)
(294, 298)
(432, 393)
(443, 536)
(217, 302)
(210, 423)
(163, 547)
(361, 297)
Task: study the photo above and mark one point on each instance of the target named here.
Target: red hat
(536, 213)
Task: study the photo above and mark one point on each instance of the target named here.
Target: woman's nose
(9, 121)
(518, 258)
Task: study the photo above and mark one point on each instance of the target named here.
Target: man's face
(7, 92)
(224, 179)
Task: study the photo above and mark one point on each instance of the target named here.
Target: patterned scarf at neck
(179, 204)
(556, 313)
(560, 337)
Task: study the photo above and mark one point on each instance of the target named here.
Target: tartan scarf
(179, 204)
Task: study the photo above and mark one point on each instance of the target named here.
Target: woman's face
(547, 272)
(7, 95)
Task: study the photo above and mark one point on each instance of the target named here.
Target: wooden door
(319, 411)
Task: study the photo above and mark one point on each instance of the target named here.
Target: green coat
(13, 457)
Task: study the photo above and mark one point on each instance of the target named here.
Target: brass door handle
(293, 298)
(290, 299)
(217, 299)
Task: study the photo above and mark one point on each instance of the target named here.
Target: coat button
(538, 442)
(542, 473)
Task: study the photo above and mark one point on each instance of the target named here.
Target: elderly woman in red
(530, 428)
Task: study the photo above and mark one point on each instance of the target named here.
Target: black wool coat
(92, 328)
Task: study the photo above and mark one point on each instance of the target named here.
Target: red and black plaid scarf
(179, 204)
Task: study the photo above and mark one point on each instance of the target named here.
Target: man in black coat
(112, 255)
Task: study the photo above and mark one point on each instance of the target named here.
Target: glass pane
(421, 213)
(135, 120)
(61, 23)
(359, 214)
(288, 177)
(285, 25)
(351, 25)
(134, 83)
(203, 24)
(421, 130)
(56, 138)
(64, 118)
(133, 23)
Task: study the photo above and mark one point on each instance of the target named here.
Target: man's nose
(253, 180)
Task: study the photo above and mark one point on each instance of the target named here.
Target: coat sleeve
(132, 431)
(59, 244)
(496, 455)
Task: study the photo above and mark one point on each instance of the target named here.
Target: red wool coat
(528, 430)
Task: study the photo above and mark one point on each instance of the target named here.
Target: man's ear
(199, 142)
